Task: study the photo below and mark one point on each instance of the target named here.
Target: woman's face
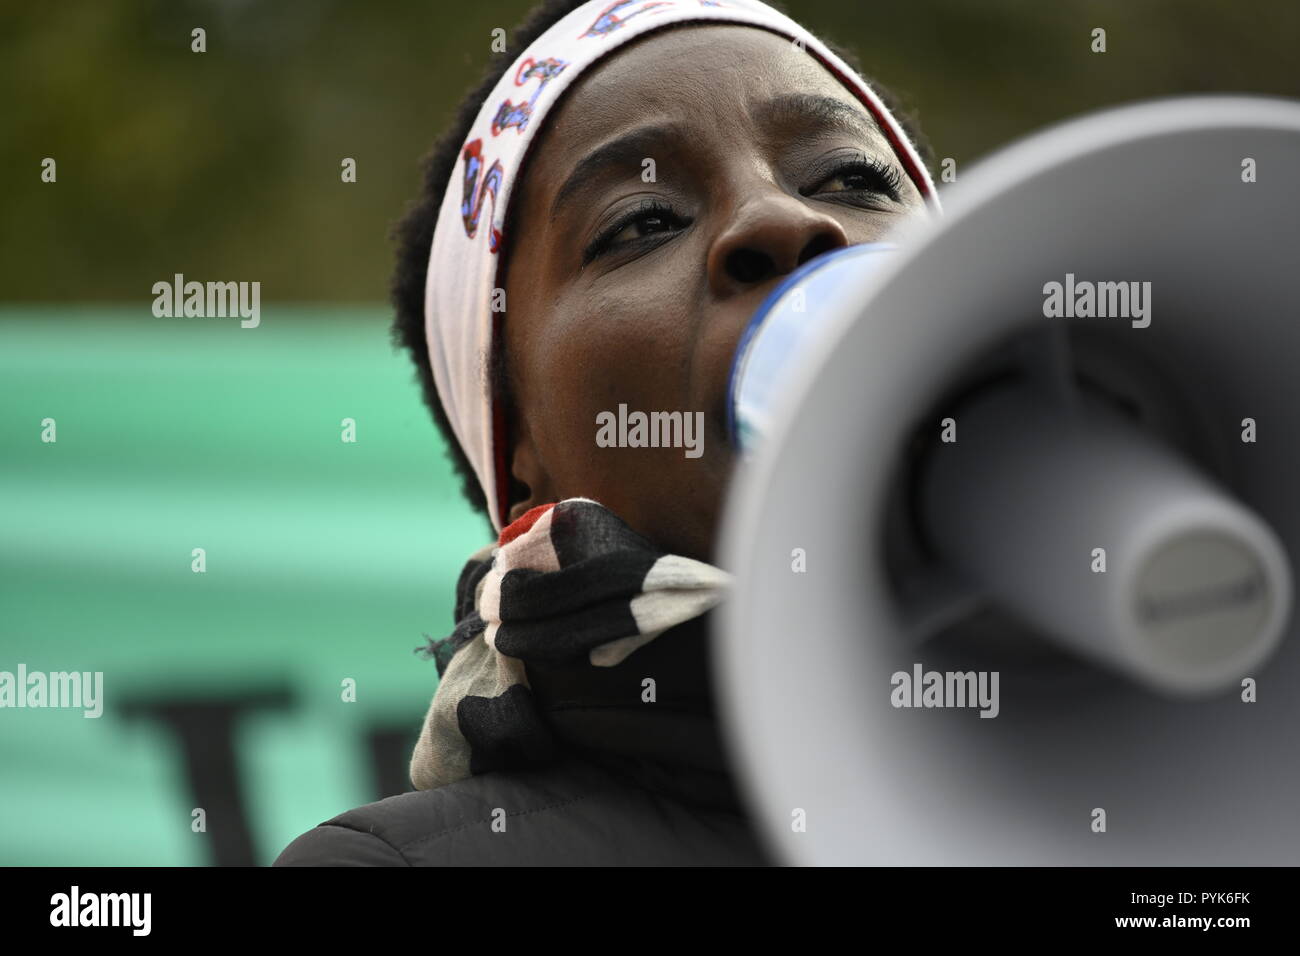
(630, 282)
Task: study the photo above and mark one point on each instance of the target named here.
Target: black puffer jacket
(632, 784)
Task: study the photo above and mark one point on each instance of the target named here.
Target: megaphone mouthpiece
(1105, 539)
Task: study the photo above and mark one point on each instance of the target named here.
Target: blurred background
(326, 560)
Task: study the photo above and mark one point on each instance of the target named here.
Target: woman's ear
(530, 484)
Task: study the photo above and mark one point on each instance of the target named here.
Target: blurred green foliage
(226, 164)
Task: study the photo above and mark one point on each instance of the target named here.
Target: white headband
(459, 322)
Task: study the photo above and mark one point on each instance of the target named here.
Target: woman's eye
(641, 226)
(851, 179)
(648, 219)
(864, 176)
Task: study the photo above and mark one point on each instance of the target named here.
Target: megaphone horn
(1043, 451)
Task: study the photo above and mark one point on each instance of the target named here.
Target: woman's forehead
(692, 74)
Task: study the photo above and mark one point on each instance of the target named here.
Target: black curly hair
(414, 232)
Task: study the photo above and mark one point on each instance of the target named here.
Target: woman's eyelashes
(860, 176)
(650, 218)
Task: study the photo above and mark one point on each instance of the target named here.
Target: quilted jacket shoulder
(573, 813)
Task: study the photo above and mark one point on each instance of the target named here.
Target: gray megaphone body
(1033, 463)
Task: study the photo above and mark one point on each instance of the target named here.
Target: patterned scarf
(546, 620)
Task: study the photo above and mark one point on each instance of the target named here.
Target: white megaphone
(1034, 463)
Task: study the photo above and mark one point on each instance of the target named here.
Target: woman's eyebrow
(805, 111)
(623, 153)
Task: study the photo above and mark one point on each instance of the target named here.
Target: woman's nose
(767, 237)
